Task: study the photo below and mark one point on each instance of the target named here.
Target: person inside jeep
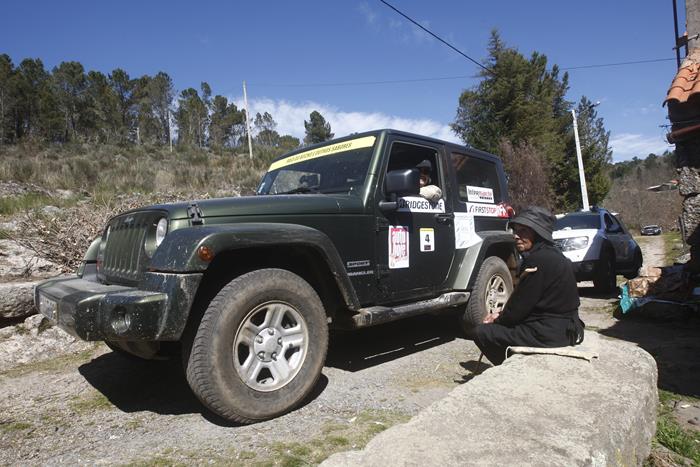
(543, 309)
(430, 192)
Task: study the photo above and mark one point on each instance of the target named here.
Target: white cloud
(628, 145)
(290, 118)
(367, 12)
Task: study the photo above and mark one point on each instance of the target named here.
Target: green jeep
(246, 289)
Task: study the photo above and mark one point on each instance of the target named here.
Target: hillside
(629, 196)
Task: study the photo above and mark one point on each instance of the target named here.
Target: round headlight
(161, 231)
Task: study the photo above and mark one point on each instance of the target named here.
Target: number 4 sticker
(427, 239)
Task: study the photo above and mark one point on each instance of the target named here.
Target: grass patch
(13, 204)
(670, 434)
(90, 404)
(10, 427)
(51, 365)
(674, 246)
(172, 457)
(336, 437)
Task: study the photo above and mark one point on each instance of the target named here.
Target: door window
(477, 179)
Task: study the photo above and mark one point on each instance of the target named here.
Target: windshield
(334, 168)
(578, 221)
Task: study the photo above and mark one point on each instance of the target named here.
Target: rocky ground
(64, 401)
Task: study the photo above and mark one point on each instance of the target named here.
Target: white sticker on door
(418, 204)
(479, 194)
(465, 231)
(398, 247)
(427, 239)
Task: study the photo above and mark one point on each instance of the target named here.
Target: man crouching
(543, 309)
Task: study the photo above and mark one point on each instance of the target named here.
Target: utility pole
(247, 121)
(170, 132)
(579, 158)
(581, 174)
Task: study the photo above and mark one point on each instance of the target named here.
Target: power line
(435, 35)
(443, 78)
(617, 64)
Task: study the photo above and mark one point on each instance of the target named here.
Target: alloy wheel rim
(270, 346)
(496, 294)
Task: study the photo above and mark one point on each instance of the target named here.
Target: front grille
(124, 259)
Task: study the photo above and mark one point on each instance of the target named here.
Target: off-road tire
(605, 276)
(493, 271)
(210, 366)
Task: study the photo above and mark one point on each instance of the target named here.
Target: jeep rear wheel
(492, 288)
(260, 347)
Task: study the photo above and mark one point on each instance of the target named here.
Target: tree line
(518, 110)
(68, 104)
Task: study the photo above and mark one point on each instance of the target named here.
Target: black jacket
(547, 289)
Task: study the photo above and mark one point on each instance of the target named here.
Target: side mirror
(402, 182)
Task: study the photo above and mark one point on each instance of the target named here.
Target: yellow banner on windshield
(350, 145)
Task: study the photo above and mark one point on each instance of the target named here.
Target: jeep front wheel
(492, 288)
(260, 346)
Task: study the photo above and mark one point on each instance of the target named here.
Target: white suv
(599, 246)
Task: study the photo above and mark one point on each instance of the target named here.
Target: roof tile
(686, 83)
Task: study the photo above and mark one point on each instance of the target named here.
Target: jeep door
(415, 243)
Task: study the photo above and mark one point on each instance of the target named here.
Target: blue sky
(291, 52)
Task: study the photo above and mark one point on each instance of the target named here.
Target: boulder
(533, 410)
(16, 299)
(18, 262)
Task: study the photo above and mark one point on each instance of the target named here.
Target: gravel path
(97, 407)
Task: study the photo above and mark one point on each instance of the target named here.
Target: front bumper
(156, 311)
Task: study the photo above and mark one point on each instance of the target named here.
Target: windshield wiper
(300, 189)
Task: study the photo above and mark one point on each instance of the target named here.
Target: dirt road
(95, 406)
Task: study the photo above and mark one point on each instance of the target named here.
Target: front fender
(178, 252)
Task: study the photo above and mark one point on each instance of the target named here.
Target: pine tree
(70, 85)
(520, 103)
(6, 98)
(317, 129)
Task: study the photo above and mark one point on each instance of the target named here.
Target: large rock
(35, 340)
(533, 410)
(16, 299)
(18, 262)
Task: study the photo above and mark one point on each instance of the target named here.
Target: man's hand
(491, 317)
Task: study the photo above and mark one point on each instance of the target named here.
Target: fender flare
(491, 238)
(178, 252)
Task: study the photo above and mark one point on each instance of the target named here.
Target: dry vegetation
(92, 183)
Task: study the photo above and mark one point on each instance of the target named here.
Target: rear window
(477, 179)
(578, 221)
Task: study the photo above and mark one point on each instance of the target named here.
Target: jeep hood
(272, 205)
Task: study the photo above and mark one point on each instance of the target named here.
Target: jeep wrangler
(245, 289)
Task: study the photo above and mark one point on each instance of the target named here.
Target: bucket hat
(425, 164)
(538, 219)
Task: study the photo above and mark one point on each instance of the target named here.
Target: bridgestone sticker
(398, 247)
(419, 204)
(489, 210)
(479, 194)
(359, 143)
